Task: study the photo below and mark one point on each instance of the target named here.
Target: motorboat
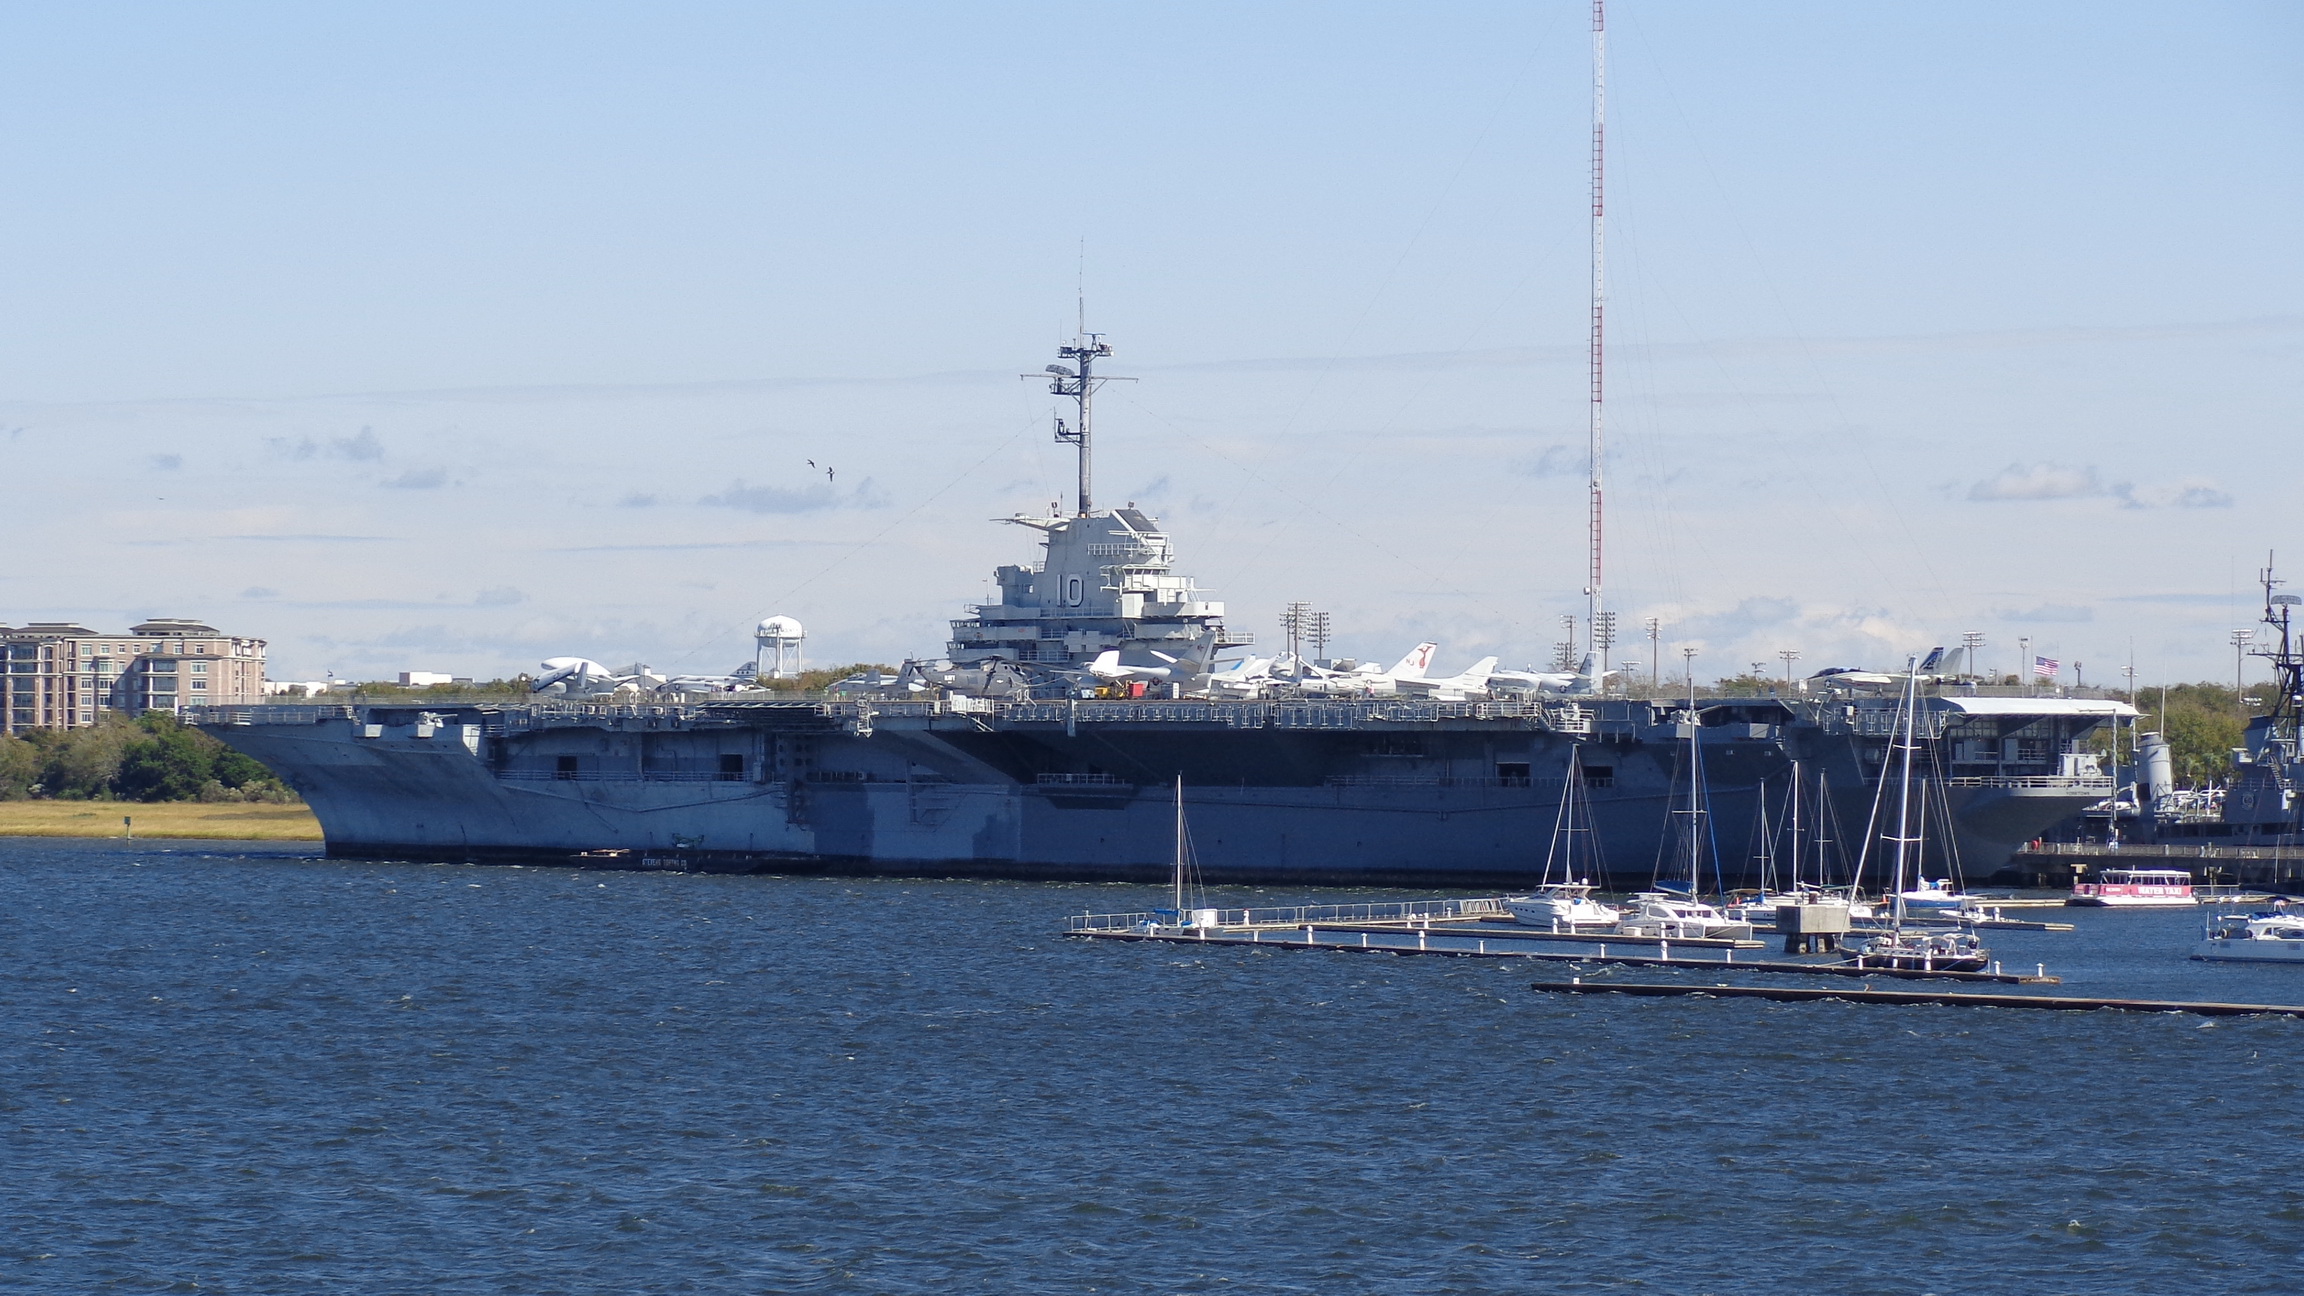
(1679, 917)
(2276, 937)
(2135, 889)
(1935, 895)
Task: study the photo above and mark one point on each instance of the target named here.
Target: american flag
(2046, 667)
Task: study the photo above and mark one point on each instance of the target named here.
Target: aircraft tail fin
(1418, 661)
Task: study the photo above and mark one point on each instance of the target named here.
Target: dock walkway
(1942, 998)
(1468, 929)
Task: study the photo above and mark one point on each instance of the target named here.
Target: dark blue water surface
(236, 1069)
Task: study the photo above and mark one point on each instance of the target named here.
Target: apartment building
(58, 675)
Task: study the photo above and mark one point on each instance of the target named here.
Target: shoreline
(181, 820)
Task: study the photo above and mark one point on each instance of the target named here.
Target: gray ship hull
(1414, 794)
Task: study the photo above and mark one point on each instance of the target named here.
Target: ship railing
(1430, 780)
(622, 776)
(2168, 850)
(1881, 722)
(1398, 911)
(268, 714)
(2092, 783)
(1082, 780)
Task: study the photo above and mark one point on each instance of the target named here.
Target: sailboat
(1187, 876)
(1670, 911)
(1914, 949)
(1824, 837)
(1806, 835)
(1566, 904)
(1759, 906)
(1940, 895)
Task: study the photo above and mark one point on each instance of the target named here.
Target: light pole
(1790, 655)
(2024, 674)
(2240, 641)
(1689, 656)
(1972, 640)
(1655, 653)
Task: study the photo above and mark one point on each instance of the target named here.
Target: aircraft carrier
(1335, 793)
(1048, 739)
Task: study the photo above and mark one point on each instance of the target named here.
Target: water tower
(776, 653)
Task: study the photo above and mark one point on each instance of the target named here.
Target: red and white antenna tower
(1595, 614)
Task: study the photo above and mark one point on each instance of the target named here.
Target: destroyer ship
(1046, 742)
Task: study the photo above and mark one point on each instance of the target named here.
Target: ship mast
(1596, 621)
(2287, 664)
(1080, 384)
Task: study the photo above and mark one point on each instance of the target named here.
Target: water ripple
(250, 1072)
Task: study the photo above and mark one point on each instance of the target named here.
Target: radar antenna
(2287, 661)
(1080, 384)
(1600, 625)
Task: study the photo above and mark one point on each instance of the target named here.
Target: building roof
(2042, 706)
(173, 626)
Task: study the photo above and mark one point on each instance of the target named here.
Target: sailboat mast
(1904, 780)
(1595, 622)
(1796, 827)
(1179, 846)
(1695, 786)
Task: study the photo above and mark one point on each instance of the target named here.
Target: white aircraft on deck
(1366, 680)
(583, 677)
(1453, 688)
(1246, 678)
(1580, 680)
(1151, 667)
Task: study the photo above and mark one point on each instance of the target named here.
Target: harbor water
(241, 1069)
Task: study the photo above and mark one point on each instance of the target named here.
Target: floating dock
(1468, 929)
(1941, 998)
(1981, 924)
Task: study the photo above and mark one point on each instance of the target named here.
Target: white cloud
(2051, 481)
(2042, 481)
(2193, 495)
(2047, 612)
(807, 499)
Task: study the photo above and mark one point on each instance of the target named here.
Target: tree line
(152, 757)
(2202, 723)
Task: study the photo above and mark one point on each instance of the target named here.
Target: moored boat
(1935, 895)
(2276, 937)
(1560, 906)
(1917, 950)
(2135, 889)
(1566, 904)
(1912, 949)
(1674, 917)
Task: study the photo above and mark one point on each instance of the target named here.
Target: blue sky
(450, 337)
